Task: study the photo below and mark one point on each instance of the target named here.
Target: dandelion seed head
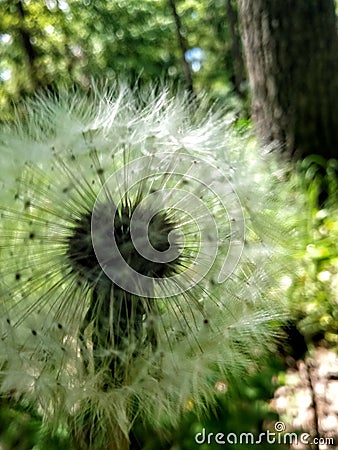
(133, 260)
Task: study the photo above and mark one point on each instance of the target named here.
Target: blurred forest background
(274, 65)
(44, 43)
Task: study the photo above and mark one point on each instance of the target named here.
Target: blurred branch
(26, 42)
(183, 46)
(235, 48)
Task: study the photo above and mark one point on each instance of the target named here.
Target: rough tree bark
(291, 52)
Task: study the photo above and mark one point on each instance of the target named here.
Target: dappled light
(168, 224)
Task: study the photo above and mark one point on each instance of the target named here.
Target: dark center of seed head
(157, 234)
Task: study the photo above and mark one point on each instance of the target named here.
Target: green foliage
(73, 41)
(206, 28)
(21, 428)
(241, 407)
(314, 287)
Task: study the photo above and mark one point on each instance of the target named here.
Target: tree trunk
(292, 61)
